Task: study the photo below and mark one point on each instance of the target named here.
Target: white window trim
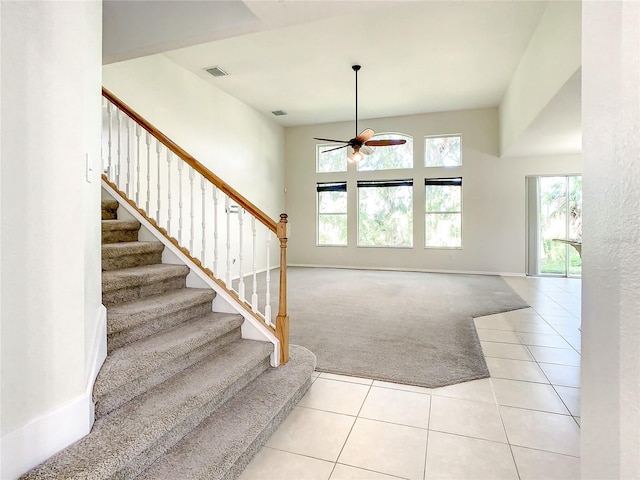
(424, 145)
(435, 247)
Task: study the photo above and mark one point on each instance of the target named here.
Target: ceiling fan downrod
(355, 69)
(362, 142)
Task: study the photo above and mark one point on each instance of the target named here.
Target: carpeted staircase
(181, 395)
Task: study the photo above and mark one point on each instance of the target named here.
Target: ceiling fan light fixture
(356, 156)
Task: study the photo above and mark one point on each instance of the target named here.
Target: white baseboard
(401, 269)
(99, 353)
(46, 435)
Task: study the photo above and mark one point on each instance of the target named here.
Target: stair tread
(137, 359)
(114, 250)
(109, 209)
(144, 275)
(118, 438)
(129, 315)
(120, 225)
(110, 204)
(214, 447)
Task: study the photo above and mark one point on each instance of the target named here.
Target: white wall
(240, 145)
(493, 196)
(551, 59)
(611, 254)
(50, 256)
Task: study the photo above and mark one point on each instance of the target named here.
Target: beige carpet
(404, 327)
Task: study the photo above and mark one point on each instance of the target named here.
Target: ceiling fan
(362, 142)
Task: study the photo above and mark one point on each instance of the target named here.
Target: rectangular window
(385, 213)
(332, 213)
(330, 161)
(442, 151)
(443, 212)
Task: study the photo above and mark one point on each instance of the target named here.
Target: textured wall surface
(611, 254)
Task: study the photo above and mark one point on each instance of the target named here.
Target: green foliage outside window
(443, 151)
(386, 158)
(385, 216)
(555, 192)
(335, 161)
(332, 217)
(443, 213)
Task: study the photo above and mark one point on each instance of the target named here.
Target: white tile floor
(522, 423)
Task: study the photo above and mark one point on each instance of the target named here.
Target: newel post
(282, 319)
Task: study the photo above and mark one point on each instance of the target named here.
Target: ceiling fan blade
(331, 140)
(384, 143)
(365, 135)
(366, 150)
(332, 149)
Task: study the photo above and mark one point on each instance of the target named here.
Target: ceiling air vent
(216, 72)
(279, 113)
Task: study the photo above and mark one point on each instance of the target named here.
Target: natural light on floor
(522, 423)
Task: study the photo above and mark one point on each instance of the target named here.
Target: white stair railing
(136, 169)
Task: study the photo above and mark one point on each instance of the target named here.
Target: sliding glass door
(554, 237)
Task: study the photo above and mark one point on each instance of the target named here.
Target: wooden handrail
(196, 165)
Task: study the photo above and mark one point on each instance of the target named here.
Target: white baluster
(227, 210)
(240, 228)
(169, 158)
(138, 134)
(203, 187)
(215, 231)
(148, 139)
(118, 116)
(254, 288)
(180, 167)
(128, 189)
(109, 154)
(267, 307)
(192, 173)
(103, 151)
(158, 150)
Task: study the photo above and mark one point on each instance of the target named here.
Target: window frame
(406, 182)
(443, 181)
(403, 136)
(338, 186)
(447, 135)
(329, 146)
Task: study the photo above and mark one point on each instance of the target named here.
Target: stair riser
(129, 261)
(116, 236)
(149, 456)
(136, 292)
(155, 325)
(119, 396)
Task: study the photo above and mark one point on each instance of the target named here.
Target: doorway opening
(554, 225)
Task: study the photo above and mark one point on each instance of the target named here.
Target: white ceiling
(296, 55)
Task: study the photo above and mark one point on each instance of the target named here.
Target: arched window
(391, 157)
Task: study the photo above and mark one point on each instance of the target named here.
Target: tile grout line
(504, 428)
(352, 427)
(545, 375)
(426, 449)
